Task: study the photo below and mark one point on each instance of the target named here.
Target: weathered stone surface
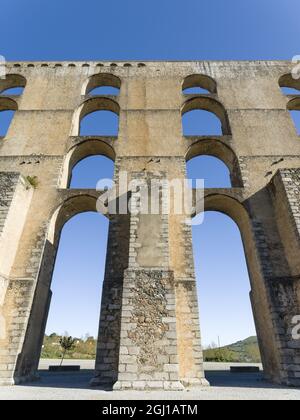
(149, 324)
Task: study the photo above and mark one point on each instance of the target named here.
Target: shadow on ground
(216, 378)
(77, 380)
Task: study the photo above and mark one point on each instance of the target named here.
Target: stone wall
(149, 290)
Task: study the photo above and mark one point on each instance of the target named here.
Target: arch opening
(219, 239)
(72, 267)
(6, 117)
(102, 84)
(105, 90)
(212, 170)
(12, 83)
(199, 122)
(102, 165)
(204, 116)
(266, 332)
(289, 85)
(294, 108)
(76, 287)
(14, 91)
(87, 172)
(97, 116)
(100, 123)
(199, 83)
(218, 163)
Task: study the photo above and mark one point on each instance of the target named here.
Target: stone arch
(91, 105)
(237, 210)
(288, 81)
(200, 80)
(215, 147)
(78, 203)
(12, 81)
(211, 105)
(82, 150)
(292, 106)
(7, 104)
(28, 359)
(100, 79)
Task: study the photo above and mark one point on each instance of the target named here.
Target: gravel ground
(74, 386)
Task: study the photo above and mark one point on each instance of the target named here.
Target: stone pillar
(148, 346)
(285, 287)
(15, 293)
(108, 344)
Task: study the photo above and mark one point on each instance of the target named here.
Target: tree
(67, 344)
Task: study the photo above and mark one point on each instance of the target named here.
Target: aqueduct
(149, 335)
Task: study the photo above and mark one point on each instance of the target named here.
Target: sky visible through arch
(156, 30)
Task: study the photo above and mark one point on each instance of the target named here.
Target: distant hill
(84, 348)
(244, 351)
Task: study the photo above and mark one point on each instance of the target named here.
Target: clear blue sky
(157, 29)
(154, 30)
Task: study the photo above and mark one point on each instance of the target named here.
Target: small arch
(202, 82)
(17, 65)
(100, 123)
(141, 65)
(100, 65)
(114, 65)
(7, 110)
(294, 104)
(85, 149)
(230, 206)
(85, 65)
(12, 81)
(289, 85)
(30, 65)
(71, 65)
(70, 207)
(88, 171)
(58, 65)
(294, 107)
(90, 106)
(44, 65)
(127, 65)
(99, 104)
(215, 148)
(212, 170)
(14, 91)
(101, 80)
(210, 105)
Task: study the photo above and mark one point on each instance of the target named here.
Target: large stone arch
(76, 203)
(234, 207)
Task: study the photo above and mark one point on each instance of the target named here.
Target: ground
(74, 386)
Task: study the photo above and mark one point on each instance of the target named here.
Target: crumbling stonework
(149, 335)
